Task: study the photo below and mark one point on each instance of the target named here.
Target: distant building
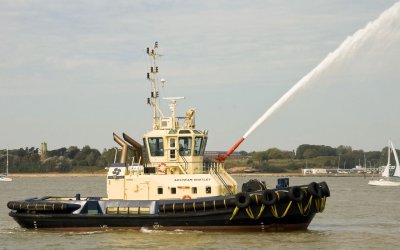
(306, 171)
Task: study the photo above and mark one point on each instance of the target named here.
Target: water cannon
(222, 158)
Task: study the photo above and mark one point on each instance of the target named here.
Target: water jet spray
(346, 48)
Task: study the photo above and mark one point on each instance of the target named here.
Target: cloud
(234, 58)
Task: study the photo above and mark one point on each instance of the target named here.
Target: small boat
(385, 181)
(168, 185)
(5, 177)
(249, 171)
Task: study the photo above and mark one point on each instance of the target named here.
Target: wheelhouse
(181, 148)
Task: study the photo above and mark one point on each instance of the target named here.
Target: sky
(74, 72)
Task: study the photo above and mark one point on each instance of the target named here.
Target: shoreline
(57, 174)
(233, 174)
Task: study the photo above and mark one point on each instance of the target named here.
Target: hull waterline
(270, 210)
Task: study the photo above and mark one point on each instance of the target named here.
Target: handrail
(186, 162)
(213, 169)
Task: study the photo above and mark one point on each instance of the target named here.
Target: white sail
(397, 169)
(385, 181)
(4, 177)
(385, 172)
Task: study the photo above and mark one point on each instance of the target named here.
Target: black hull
(269, 210)
(214, 220)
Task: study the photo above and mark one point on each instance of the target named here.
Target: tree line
(27, 160)
(87, 159)
(310, 156)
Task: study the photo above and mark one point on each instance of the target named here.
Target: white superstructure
(169, 164)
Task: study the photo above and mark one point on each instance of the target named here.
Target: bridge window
(156, 145)
(172, 142)
(203, 146)
(194, 190)
(208, 190)
(159, 190)
(185, 146)
(173, 190)
(198, 141)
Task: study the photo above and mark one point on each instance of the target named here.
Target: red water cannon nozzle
(222, 158)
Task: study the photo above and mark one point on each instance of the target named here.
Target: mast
(389, 153)
(7, 163)
(152, 77)
(385, 172)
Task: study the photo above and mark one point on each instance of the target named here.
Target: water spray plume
(348, 46)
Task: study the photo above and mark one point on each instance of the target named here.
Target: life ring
(186, 197)
(314, 189)
(162, 168)
(296, 194)
(325, 189)
(268, 197)
(242, 200)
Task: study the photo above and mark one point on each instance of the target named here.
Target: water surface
(357, 216)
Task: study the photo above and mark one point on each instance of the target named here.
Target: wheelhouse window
(156, 145)
(208, 190)
(198, 142)
(194, 190)
(203, 146)
(159, 190)
(185, 146)
(173, 190)
(172, 142)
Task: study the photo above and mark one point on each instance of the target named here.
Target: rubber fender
(325, 189)
(255, 199)
(253, 185)
(242, 200)
(268, 197)
(314, 189)
(282, 195)
(42, 206)
(296, 194)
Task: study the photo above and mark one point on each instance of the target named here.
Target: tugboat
(169, 185)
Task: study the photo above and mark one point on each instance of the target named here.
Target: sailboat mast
(386, 170)
(365, 162)
(389, 153)
(7, 163)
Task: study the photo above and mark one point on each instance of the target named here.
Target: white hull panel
(383, 182)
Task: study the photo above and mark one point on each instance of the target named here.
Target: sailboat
(4, 177)
(386, 172)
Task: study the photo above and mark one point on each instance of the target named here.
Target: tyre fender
(296, 194)
(268, 197)
(314, 189)
(242, 200)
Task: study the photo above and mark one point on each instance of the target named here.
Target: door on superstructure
(172, 149)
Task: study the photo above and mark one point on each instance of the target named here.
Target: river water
(357, 216)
